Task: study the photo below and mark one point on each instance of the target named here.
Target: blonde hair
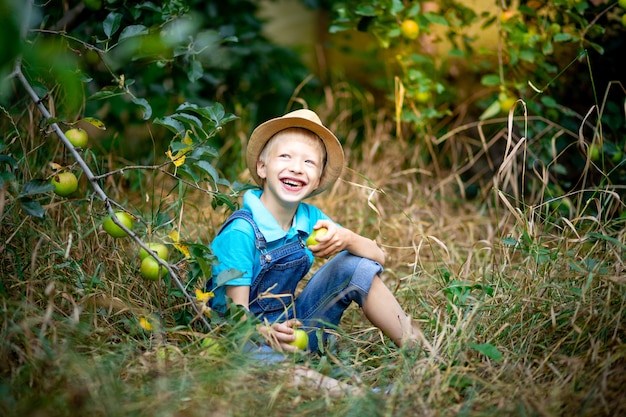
(309, 137)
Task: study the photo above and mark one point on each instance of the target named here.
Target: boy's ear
(260, 169)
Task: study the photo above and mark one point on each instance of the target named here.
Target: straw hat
(305, 119)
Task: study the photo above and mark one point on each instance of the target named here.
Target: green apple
(64, 183)
(302, 339)
(113, 229)
(622, 4)
(617, 156)
(160, 249)
(594, 152)
(424, 97)
(151, 269)
(506, 103)
(211, 346)
(78, 137)
(312, 239)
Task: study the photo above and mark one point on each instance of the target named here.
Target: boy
(291, 158)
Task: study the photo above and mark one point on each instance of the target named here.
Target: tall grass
(521, 303)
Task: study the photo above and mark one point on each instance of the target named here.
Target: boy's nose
(296, 166)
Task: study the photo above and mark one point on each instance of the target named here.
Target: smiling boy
(292, 158)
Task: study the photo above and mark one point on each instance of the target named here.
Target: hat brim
(265, 131)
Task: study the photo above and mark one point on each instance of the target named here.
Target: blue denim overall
(342, 280)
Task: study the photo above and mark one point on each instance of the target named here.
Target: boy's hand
(332, 242)
(280, 335)
(338, 239)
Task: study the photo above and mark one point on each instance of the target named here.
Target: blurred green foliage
(127, 62)
(475, 63)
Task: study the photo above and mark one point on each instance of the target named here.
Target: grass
(521, 304)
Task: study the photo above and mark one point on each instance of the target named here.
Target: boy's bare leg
(307, 377)
(383, 310)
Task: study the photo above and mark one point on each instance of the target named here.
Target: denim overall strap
(272, 292)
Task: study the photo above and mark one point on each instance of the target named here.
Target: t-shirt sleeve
(234, 248)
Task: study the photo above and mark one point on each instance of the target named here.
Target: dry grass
(522, 306)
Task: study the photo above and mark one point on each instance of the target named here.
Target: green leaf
(527, 55)
(6, 177)
(599, 49)
(205, 152)
(185, 170)
(205, 266)
(34, 187)
(111, 23)
(490, 80)
(172, 124)
(133, 30)
(32, 208)
(189, 119)
(562, 37)
(549, 102)
(208, 169)
(365, 10)
(177, 146)
(509, 241)
(547, 48)
(9, 160)
(195, 71)
(97, 123)
(611, 239)
(436, 19)
(228, 118)
(457, 53)
(227, 275)
(209, 113)
(491, 111)
(147, 109)
(488, 350)
(102, 94)
(396, 7)
(216, 112)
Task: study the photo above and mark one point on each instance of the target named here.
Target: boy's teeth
(291, 184)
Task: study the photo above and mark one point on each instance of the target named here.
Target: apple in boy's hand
(302, 339)
(312, 239)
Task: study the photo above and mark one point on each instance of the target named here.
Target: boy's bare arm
(338, 239)
(240, 294)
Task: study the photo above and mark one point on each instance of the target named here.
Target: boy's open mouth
(290, 183)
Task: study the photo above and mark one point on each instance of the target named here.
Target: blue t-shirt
(235, 248)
